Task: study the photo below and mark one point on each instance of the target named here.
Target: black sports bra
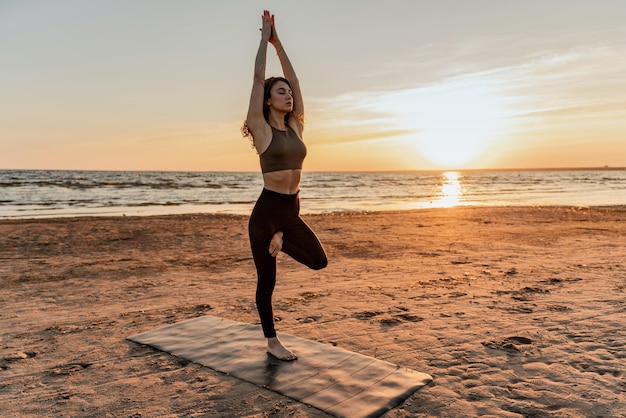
(285, 152)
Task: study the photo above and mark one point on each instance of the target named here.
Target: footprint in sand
(409, 317)
(22, 355)
(507, 344)
(519, 309)
(518, 340)
(390, 321)
(309, 319)
(394, 320)
(366, 315)
(558, 308)
(68, 369)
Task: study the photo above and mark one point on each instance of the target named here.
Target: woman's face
(280, 97)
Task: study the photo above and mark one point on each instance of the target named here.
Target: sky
(387, 85)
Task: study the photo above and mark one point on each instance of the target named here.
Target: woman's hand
(274, 36)
(276, 244)
(266, 25)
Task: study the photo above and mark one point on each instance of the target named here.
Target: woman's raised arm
(290, 74)
(255, 120)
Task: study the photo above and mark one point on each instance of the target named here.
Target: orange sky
(394, 85)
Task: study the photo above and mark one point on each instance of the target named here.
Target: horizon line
(590, 168)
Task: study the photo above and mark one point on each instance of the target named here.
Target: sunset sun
(459, 121)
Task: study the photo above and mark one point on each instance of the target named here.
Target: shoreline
(51, 217)
(514, 311)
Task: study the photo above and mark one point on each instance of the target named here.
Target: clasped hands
(268, 29)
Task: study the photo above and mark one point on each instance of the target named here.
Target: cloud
(581, 88)
(537, 103)
(554, 83)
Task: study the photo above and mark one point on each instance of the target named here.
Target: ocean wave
(322, 192)
(117, 185)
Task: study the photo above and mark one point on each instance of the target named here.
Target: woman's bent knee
(320, 264)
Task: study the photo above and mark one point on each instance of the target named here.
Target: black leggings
(275, 212)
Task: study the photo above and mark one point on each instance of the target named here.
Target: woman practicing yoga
(275, 122)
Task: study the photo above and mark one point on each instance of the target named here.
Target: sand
(515, 312)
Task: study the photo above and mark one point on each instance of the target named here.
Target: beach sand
(515, 312)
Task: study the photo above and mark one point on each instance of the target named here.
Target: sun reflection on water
(451, 191)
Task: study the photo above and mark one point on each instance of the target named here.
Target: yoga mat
(334, 380)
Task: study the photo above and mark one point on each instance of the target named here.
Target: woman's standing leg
(261, 233)
(262, 226)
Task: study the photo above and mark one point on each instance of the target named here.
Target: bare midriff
(283, 181)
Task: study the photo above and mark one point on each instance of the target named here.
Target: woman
(275, 123)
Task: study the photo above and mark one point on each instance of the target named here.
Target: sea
(55, 193)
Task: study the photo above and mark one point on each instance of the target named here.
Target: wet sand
(515, 312)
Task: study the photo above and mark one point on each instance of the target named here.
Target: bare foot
(278, 350)
(276, 244)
